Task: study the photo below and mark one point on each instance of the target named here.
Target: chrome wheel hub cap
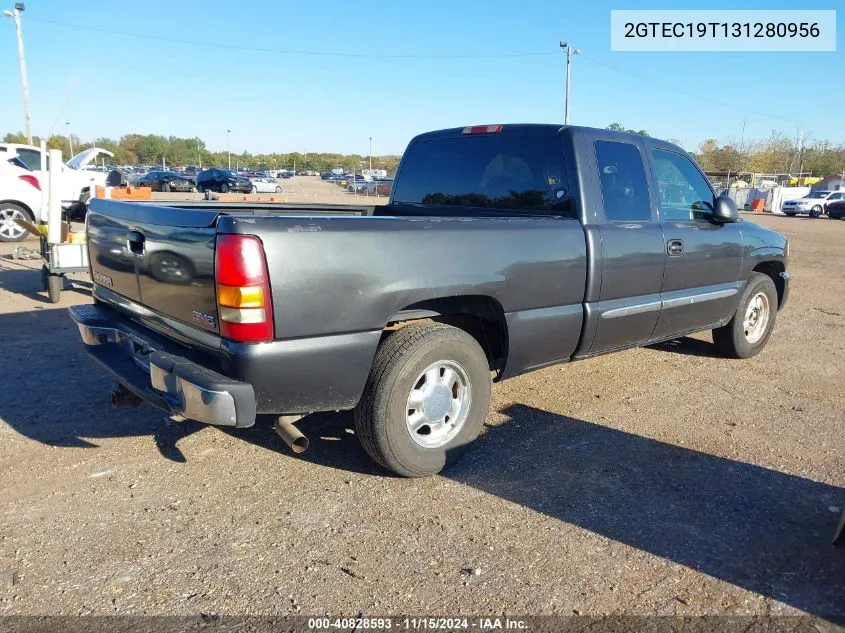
(438, 404)
(8, 226)
(756, 318)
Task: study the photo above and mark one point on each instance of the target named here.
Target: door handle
(675, 247)
(135, 242)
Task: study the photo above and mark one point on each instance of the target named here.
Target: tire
(816, 211)
(54, 287)
(278, 189)
(165, 187)
(254, 189)
(412, 359)
(732, 340)
(9, 231)
(224, 188)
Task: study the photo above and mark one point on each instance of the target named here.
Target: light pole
(229, 148)
(371, 153)
(569, 53)
(69, 138)
(16, 16)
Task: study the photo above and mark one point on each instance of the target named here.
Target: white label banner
(723, 30)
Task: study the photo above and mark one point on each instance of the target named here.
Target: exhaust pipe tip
(291, 435)
(299, 445)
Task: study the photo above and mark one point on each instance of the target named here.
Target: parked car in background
(813, 204)
(384, 187)
(836, 210)
(265, 185)
(166, 181)
(20, 199)
(76, 180)
(222, 181)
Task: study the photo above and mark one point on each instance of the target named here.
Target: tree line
(173, 151)
(776, 154)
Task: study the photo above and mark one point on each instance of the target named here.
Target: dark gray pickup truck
(503, 249)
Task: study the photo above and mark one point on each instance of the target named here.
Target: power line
(686, 93)
(280, 51)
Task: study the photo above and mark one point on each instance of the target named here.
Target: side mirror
(724, 210)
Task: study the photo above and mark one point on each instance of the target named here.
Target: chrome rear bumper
(165, 380)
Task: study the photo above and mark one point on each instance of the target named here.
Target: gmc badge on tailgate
(203, 319)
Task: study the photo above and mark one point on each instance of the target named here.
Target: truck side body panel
(345, 275)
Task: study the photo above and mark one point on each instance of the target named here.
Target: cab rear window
(497, 172)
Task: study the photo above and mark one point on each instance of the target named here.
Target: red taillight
(31, 180)
(482, 129)
(244, 304)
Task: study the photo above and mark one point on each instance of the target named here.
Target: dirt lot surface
(655, 481)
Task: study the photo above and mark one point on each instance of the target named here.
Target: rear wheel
(278, 189)
(747, 333)
(254, 189)
(10, 230)
(425, 400)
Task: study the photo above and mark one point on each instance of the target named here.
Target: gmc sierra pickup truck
(503, 249)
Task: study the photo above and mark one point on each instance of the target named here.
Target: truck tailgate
(160, 257)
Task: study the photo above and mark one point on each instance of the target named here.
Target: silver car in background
(265, 185)
(813, 204)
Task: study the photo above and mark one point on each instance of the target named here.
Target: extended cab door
(624, 235)
(703, 259)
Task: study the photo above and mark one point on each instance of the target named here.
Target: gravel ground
(295, 190)
(656, 481)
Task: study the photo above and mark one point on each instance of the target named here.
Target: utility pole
(16, 16)
(229, 148)
(69, 138)
(371, 153)
(569, 53)
(800, 153)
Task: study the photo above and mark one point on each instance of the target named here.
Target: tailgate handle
(135, 242)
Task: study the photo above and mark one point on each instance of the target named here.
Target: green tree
(618, 127)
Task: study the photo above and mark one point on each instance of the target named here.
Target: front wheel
(254, 189)
(425, 400)
(816, 211)
(278, 189)
(224, 188)
(747, 333)
(165, 187)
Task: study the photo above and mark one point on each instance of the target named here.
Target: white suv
(20, 198)
(77, 182)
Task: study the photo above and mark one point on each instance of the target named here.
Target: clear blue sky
(108, 84)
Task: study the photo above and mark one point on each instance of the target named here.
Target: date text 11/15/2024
(328, 623)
